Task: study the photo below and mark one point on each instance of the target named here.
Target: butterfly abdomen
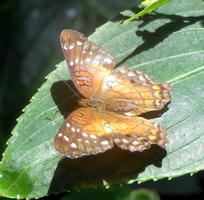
(120, 106)
(95, 103)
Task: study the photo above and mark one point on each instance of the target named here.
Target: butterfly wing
(88, 63)
(133, 92)
(83, 133)
(87, 131)
(135, 133)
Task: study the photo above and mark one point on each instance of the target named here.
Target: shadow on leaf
(113, 166)
(64, 97)
(152, 39)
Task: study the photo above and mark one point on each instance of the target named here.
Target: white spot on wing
(107, 127)
(147, 77)
(157, 102)
(141, 78)
(71, 47)
(79, 43)
(92, 136)
(104, 142)
(108, 60)
(131, 73)
(60, 134)
(65, 47)
(73, 145)
(88, 59)
(116, 140)
(84, 135)
(73, 129)
(123, 70)
(131, 148)
(135, 142)
(76, 60)
(66, 138)
(125, 141)
(68, 125)
(71, 63)
(129, 114)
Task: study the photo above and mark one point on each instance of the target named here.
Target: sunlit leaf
(169, 46)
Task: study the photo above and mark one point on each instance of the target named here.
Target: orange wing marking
(83, 83)
(83, 78)
(81, 118)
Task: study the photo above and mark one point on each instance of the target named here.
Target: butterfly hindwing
(134, 133)
(82, 134)
(87, 131)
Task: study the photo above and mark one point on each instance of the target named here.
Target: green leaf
(169, 46)
(149, 6)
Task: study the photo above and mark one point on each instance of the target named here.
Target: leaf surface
(169, 47)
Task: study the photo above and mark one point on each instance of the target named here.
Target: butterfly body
(113, 100)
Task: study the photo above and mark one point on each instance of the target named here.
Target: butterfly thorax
(95, 103)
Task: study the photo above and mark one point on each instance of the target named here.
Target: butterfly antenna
(69, 86)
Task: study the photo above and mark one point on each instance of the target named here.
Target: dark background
(29, 49)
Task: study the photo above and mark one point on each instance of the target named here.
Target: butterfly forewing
(133, 92)
(88, 63)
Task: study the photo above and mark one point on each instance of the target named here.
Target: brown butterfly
(113, 100)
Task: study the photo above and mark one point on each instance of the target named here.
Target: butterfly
(114, 99)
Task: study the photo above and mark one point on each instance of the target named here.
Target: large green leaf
(169, 46)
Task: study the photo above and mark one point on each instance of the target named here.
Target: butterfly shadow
(65, 96)
(111, 167)
(155, 114)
